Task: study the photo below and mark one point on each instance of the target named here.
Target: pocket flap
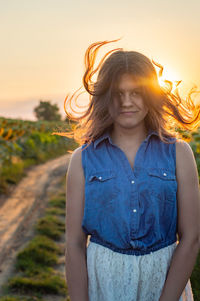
(162, 173)
(101, 175)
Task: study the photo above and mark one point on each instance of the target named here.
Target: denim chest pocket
(163, 183)
(101, 186)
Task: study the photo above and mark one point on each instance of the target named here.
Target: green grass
(58, 202)
(39, 255)
(195, 279)
(13, 173)
(43, 283)
(51, 226)
(10, 298)
(55, 211)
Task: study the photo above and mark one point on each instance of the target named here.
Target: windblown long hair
(167, 111)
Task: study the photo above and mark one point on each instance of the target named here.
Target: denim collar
(107, 136)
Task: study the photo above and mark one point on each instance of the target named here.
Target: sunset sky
(43, 43)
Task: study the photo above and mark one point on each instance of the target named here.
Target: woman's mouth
(129, 113)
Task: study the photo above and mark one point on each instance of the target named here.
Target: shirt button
(164, 174)
(132, 182)
(134, 210)
(100, 178)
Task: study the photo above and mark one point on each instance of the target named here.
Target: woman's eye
(132, 94)
(135, 93)
(119, 94)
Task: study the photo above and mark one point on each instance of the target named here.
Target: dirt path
(27, 202)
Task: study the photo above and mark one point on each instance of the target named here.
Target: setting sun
(166, 76)
(171, 76)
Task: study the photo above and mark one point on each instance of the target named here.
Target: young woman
(132, 187)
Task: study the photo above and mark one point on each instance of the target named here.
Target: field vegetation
(27, 143)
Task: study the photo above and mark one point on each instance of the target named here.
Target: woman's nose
(127, 99)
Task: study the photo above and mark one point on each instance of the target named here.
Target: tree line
(45, 110)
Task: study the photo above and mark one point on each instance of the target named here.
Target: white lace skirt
(114, 276)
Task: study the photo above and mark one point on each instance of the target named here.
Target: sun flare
(169, 76)
(166, 75)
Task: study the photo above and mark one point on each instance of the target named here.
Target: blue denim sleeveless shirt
(131, 211)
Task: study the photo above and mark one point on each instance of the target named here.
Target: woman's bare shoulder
(183, 149)
(75, 163)
(185, 161)
(75, 176)
(77, 153)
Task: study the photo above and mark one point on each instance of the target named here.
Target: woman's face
(128, 108)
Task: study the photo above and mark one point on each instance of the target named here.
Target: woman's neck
(122, 136)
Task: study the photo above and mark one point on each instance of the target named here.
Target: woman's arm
(188, 197)
(76, 239)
